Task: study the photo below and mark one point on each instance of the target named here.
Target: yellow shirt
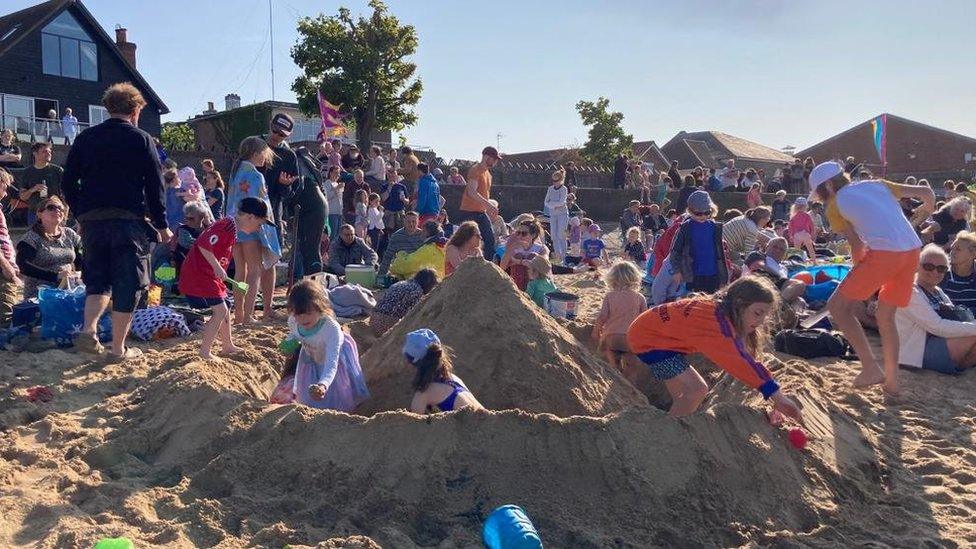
(478, 173)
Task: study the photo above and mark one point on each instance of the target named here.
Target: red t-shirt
(197, 276)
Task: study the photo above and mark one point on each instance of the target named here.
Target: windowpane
(51, 54)
(70, 62)
(66, 25)
(89, 61)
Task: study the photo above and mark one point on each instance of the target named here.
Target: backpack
(813, 343)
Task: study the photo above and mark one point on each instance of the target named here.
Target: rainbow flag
(880, 126)
(332, 125)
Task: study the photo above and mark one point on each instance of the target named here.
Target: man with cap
(475, 205)
(885, 251)
(353, 160)
(282, 172)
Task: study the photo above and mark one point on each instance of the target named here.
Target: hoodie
(428, 196)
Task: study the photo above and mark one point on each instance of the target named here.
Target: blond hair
(5, 178)
(633, 230)
(540, 266)
(624, 275)
(122, 98)
(967, 236)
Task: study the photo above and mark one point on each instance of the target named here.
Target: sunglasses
(941, 269)
(53, 208)
(700, 214)
(279, 133)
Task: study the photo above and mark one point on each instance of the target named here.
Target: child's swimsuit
(447, 405)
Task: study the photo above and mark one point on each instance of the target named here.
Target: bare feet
(270, 316)
(869, 377)
(229, 350)
(206, 354)
(892, 389)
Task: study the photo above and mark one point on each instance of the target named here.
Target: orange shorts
(893, 273)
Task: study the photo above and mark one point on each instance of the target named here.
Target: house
(911, 148)
(222, 131)
(55, 56)
(711, 149)
(647, 151)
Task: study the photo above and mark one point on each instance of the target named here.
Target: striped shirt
(960, 289)
(740, 234)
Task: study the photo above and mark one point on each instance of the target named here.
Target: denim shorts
(664, 365)
(936, 356)
(208, 302)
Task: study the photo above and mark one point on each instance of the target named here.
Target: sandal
(130, 353)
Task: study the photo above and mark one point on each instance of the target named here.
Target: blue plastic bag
(62, 314)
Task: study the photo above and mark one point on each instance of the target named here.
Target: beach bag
(63, 313)
(406, 265)
(158, 323)
(813, 343)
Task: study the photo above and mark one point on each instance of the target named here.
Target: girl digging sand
(328, 375)
(620, 307)
(728, 328)
(436, 388)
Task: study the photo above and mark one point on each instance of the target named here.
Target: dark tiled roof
(22, 23)
(722, 146)
(891, 117)
(648, 151)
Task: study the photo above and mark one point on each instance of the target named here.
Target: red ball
(804, 277)
(798, 438)
(822, 277)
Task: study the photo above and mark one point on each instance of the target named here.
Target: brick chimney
(127, 48)
(210, 108)
(232, 101)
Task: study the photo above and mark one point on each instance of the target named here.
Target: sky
(779, 73)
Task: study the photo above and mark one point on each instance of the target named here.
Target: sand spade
(238, 286)
(114, 543)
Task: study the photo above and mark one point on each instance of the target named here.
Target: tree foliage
(178, 136)
(363, 65)
(606, 137)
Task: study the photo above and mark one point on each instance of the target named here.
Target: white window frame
(102, 114)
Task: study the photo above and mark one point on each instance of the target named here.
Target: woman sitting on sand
(729, 328)
(49, 252)
(464, 243)
(932, 334)
(399, 298)
(523, 245)
(436, 388)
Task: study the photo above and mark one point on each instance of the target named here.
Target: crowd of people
(686, 280)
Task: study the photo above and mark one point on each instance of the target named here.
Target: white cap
(821, 173)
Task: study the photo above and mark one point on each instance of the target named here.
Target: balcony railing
(32, 128)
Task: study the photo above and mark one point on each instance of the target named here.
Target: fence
(32, 128)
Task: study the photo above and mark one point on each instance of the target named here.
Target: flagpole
(271, 28)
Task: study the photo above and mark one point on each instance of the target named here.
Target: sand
(172, 451)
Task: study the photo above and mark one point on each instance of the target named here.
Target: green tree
(361, 64)
(606, 138)
(178, 136)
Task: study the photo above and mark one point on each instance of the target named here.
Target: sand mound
(508, 351)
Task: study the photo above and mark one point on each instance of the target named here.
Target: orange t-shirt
(694, 325)
(478, 173)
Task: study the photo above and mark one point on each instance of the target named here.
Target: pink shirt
(620, 308)
(800, 223)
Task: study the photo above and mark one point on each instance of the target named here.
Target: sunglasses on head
(941, 269)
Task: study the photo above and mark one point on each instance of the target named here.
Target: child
(9, 274)
(374, 222)
(594, 250)
(204, 271)
(540, 280)
(634, 248)
(620, 307)
(728, 328)
(498, 225)
(575, 252)
(779, 228)
(781, 206)
(672, 216)
(801, 229)
(361, 222)
(697, 254)
(456, 178)
(885, 251)
(436, 388)
(328, 375)
(192, 189)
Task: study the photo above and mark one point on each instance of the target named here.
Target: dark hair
(426, 279)
(38, 145)
(328, 174)
(732, 213)
(432, 228)
(423, 168)
(961, 188)
(307, 297)
(757, 213)
(406, 150)
(434, 366)
(671, 212)
(689, 181)
(463, 234)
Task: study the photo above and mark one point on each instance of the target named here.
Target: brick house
(913, 148)
(56, 56)
(710, 149)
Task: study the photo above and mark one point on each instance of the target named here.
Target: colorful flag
(880, 126)
(332, 125)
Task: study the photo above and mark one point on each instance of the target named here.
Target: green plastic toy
(165, 273)
(115, 543)
(289, 346)
(239, 286)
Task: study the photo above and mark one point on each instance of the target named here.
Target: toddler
(540, 280)
(620, 307)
